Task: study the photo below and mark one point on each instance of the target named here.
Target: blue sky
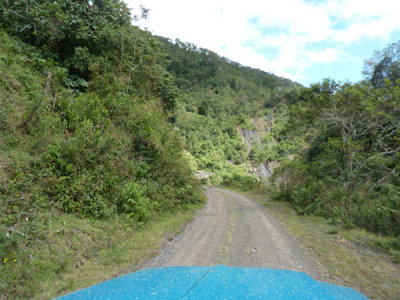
(304, 40)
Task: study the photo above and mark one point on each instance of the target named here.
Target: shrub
(134, 202)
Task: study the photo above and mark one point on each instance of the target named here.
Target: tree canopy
(384, 65)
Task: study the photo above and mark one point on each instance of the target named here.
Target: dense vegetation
(217, 99)
(101, 120)
(195, 67)
(337, 143)
(85, 102)
(348, 170)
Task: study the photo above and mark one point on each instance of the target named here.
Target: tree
(69, 31)
(383, 65)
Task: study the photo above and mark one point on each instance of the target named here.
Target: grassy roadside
(349, 257)
(81, 252)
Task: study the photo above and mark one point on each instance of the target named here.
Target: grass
(351, 257)
(78, 252)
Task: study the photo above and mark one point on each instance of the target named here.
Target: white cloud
(301, 33)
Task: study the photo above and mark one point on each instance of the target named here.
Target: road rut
(234, 230)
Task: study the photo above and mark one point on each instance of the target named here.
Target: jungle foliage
(84, 124)
(99, 119)
(218, 98)
(194, 66)
(348, 170)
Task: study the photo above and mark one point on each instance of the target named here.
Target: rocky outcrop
(265, 170)
(202, 174)
(251, 138)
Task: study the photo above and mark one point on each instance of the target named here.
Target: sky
(303, 40)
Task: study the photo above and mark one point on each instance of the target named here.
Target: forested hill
(194, 66)
(102, 123)
(219, 102)
(336, 144)
(99, 120)
(85, 140)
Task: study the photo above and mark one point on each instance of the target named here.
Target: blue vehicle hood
(218, 282)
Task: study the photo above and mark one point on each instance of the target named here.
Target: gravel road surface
(234, 230)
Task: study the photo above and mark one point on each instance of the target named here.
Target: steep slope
(218, 101)
(84, 135)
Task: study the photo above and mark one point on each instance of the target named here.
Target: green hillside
(336, 144)
(84, 132)
(193, 66)
(101, 121)
(218, 99)
(347, 170)
(103, 127)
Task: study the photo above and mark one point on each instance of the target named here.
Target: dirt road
(235, 231)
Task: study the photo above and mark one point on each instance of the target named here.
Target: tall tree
(383, 65)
